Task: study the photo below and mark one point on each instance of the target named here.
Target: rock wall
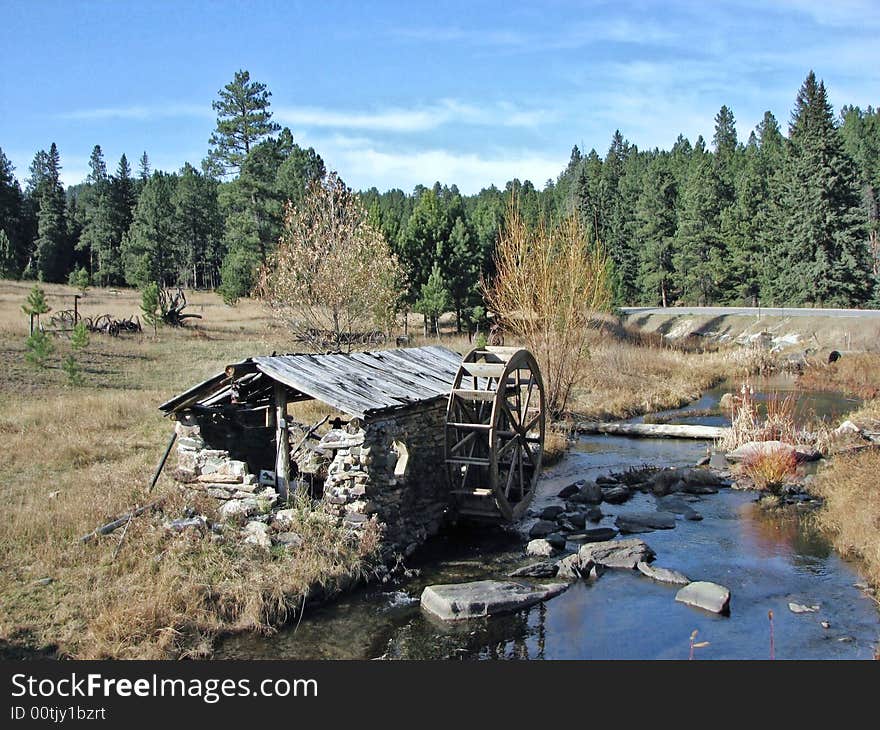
(217, 474)
(392, 467)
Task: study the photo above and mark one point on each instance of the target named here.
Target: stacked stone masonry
(389, 468)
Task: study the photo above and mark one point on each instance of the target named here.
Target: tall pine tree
(827, 260)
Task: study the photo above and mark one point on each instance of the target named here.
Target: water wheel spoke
(466, 440)
(530, 386)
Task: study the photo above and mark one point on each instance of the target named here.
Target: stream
(767, 560)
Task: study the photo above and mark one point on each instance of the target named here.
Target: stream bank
(768, 560)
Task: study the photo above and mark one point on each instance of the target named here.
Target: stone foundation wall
(393, 468)
(217, 474)
(390, 469)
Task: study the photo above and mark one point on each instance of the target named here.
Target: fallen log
(120, 521)
(655, 430)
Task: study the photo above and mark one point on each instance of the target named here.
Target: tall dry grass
(857, 374)
(623, 379)
(851, 510)
(71, 459)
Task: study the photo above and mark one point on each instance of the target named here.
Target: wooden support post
(161, 464)
(282, 440)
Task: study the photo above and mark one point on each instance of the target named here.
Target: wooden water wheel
(495, 433)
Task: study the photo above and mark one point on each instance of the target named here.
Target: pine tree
(655, 216)
(253, 208)
(12, 253)
(52, 254)
(197, 226)
(243, 120)
(618, 196)
(827, 260)
(433, 299)
(725, 143)
(460, 260)
(700, 255)
(7, 257)
(144, 170)
(97, 238)
(421, 241)
(861, 138)
(122, 201)
(149, 250)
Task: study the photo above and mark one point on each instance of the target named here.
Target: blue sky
(395, 94)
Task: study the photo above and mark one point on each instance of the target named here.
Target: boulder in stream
(635, 522)
(594, 534)
(542, 528)
(544, 569)
(708, 596)
(695, 481)
(751, 449)
(589, 493)
(543, 548)
(459, 601)
(616, 495)
(551, 512)
(663, 575)
(617, 553)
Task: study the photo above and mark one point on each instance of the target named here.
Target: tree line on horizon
(775, 220)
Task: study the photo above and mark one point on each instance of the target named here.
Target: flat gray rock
(536, 570)
(589, 493)
(663, 575)
(708, 596)
(801, 608)
(617, 553)
(595, 534)
(616, 495)
(542, 528)
(634, 522)
(460, 601)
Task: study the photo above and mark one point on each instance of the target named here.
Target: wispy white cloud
(365, 162)
(415, 119)
(577, 34)
(142, 112)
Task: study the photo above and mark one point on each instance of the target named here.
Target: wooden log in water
(655, 430)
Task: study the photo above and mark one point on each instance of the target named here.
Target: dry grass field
(72, 458)
(849, 485)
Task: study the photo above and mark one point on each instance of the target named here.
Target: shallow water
(765, 560)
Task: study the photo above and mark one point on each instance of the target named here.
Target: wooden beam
(282, 441)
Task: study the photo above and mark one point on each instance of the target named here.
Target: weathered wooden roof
(359, 384)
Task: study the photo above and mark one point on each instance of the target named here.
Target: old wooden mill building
(420, 436)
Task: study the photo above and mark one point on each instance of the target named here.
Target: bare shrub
(550, 280)
(770, 468)
(555, 445)
(333, 275)
(777, 423)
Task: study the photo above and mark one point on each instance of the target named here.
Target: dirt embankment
(816, 333)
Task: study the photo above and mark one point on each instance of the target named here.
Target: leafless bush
(333, 272)
(549, 281)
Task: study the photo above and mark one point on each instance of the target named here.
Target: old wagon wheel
(495, 433)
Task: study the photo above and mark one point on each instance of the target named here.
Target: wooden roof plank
(358, 384)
